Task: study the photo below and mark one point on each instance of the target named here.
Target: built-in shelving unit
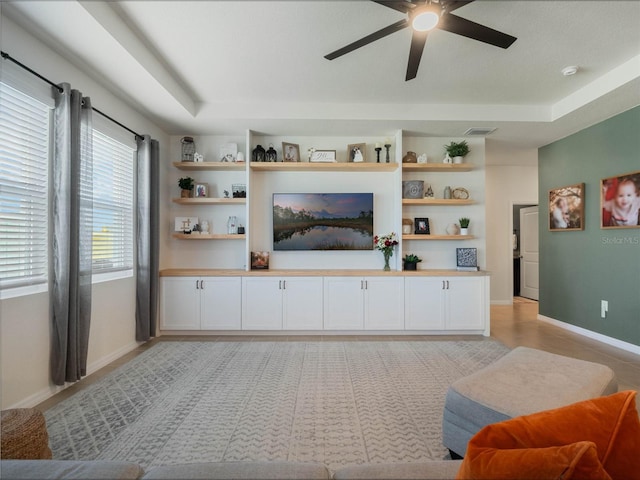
(204, 166)
(210, 201)
(208, 236)
(322, 167)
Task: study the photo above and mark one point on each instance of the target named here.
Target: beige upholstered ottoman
(524, 381)
(24, 435)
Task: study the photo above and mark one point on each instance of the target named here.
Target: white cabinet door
(343, 303)
(302, 303)
(384, 303)
(424, 303)
(179, 303)
(221, 303)
(261, 303)
(465, 303)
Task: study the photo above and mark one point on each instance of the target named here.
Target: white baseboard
(51, 390)
(614, 342)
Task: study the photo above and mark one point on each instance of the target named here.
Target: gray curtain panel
(72, 209)
(148, 252)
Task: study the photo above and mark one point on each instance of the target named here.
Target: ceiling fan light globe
(425, 21)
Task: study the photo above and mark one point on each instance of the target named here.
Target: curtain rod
(6, 56)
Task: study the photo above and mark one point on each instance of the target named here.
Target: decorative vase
(453, 229)
(410, 157)
(410, 266)
(258, 154)
(387, 256)
(447, 192)
(464, 230)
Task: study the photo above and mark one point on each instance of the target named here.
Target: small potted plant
(411, 261)
(186, 185)
(464, 225)
(457, 150)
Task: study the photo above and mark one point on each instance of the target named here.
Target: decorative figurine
(271, 155)
(377, 149)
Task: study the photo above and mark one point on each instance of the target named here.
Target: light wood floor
(513, 325)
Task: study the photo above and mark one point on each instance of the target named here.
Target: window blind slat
(112, 204)
(24, 164)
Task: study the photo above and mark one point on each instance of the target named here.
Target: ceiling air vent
(480, 131)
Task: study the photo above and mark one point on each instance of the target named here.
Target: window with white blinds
(24, 177)
(113, 184)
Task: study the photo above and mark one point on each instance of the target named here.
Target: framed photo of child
(620, 201)
(566, 208)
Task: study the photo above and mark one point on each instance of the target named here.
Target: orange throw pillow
(611, 423)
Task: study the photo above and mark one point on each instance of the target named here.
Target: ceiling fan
(424, 16)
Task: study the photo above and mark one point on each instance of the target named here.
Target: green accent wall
(578, 269)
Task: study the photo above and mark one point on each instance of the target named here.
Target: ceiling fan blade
(467, 28)
(368, 39)
(418, 40)
(455, 4)
(399, 5)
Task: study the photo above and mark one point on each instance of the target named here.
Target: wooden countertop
(206, 272)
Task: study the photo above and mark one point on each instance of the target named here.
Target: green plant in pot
(411, 261)
(464, 225)
(186, 184)
(457, 150)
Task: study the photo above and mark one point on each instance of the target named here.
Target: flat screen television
(322, 221)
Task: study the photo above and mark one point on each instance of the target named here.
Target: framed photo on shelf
(620, 201)
(259, 260)
(201, 190)
(566, 208)
(421, 226)
(323, 156)
(183, 224)
(356, 153)
(290, 152)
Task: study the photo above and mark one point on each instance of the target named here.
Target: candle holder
(387, 146)
(377, 149)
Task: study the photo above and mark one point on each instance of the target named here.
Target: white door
(261, 303)
(302, 303)
(221, 303)
(343, 303)
(384, 303)
(529, 254)
(180, 303)
(464, 296)
(424, 303)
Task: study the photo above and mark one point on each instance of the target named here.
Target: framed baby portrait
(566, 208)
(620, 201)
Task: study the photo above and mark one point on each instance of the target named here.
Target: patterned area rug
(336, 403)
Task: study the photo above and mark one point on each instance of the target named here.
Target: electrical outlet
(604, 308)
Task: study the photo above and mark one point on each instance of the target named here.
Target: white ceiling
(216, 67)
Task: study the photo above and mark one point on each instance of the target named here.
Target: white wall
(24, 321)
(512, 179)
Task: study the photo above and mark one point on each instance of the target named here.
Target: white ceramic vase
(464, 231)
(453, 229)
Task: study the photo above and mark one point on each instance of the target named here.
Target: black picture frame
(421, 226)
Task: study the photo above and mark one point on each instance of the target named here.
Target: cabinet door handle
(443, 284)
(447, 284)
(366, 284)
(284, 284)
(279, 284)
(361, 284)
(201, 284)
(197, 284)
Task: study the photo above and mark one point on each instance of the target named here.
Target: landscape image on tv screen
(322, 221)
